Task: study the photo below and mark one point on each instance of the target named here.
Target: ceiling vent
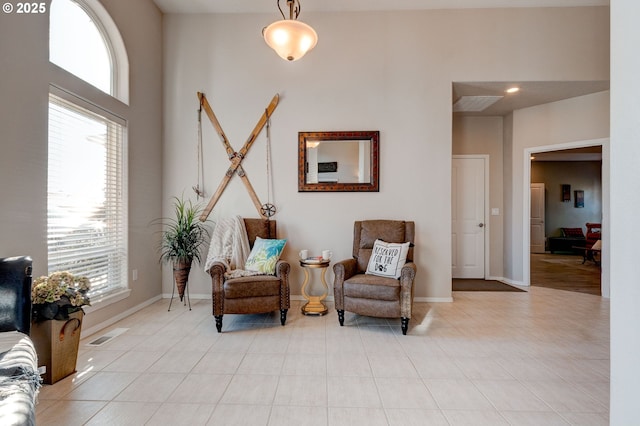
(475, 103)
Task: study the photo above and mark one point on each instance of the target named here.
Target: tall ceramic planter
(181, 269)
(56, 343)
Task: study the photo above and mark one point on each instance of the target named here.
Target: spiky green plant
(183, 235)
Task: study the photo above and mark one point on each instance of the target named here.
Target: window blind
(86, 220)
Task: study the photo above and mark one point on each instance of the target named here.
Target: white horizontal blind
(86, 223)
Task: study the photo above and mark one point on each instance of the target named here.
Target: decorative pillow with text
(387, 259)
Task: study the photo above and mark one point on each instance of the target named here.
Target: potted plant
(183, 237)
(58, 295)
(57, 302)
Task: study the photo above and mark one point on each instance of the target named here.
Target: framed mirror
(338, 161)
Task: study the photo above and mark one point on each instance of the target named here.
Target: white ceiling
(267, 6)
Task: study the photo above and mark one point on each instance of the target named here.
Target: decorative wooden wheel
(268, 210)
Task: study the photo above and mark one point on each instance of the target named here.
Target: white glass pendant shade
(290, 39)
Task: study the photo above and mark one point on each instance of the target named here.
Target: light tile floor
(489, 358)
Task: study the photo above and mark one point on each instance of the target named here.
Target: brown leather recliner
(372, 295)
(254, 294)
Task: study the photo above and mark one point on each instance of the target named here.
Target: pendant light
(290, 38)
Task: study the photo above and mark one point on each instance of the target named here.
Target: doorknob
(481, 225)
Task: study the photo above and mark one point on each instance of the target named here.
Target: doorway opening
(566, 194)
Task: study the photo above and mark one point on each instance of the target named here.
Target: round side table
(314, 305)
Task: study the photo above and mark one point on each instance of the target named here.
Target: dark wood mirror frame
(371, 186)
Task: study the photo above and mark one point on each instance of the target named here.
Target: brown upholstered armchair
(372, 295)
(253, 294)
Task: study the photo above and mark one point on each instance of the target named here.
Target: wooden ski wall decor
(236, 157)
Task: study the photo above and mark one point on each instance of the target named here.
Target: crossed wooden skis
(235, 157)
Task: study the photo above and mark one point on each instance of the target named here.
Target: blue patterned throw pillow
(264, 255)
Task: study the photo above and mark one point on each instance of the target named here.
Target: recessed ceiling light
(513, 90)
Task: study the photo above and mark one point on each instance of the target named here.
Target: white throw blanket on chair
(230, 246)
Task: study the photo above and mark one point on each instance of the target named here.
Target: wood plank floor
(565, 272)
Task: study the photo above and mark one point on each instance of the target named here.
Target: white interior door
(537, 218)
(468, 224)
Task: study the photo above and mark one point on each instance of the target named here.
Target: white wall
(543, 125)
(23, 119)
(484, 135)
(389, 71)
(26, 74)
(562, 123)
(625, 209)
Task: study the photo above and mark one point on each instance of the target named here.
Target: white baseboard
(328, 299)
(191, 296)
(433, 299)
(208, 296)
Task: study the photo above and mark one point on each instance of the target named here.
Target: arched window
(84, 40)
(87, 180)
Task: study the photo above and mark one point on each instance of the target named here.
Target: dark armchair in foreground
(19, 378)
(359, 290)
